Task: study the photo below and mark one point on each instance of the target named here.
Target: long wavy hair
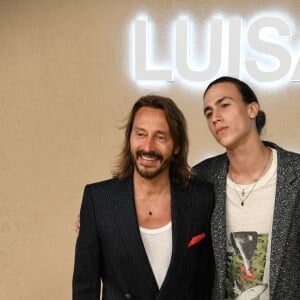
(180, 171)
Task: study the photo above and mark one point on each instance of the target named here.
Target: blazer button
(128, 296)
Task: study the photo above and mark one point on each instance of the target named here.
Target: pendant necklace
(243, 197)
(157, 201)
(150, 212)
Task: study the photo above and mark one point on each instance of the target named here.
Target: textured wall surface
(65, 88)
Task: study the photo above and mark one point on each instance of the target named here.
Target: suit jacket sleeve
(87, 269)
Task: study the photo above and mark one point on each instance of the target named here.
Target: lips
(220, 130)
(148, 156)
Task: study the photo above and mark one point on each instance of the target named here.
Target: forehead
(221, 90)
(151, 118)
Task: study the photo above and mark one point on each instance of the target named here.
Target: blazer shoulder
(289, 164)
(208, 168)
(106, 182)
(211, 162)
(284, 153)
(286, 158)
(107, 185)
(292, 156)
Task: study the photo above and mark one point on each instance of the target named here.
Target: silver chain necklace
(244, 196)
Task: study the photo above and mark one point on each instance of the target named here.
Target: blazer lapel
(218, 224)
(180, 203)
(284, 205)
(126, 218)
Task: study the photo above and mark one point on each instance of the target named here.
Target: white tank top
(158, 246)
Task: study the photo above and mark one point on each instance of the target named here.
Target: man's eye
(225, 104)
(161, 138)
(140, 134)
(208, 115)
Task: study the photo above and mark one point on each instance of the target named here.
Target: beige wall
(65, 87)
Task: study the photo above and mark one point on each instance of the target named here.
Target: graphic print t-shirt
(249, 230)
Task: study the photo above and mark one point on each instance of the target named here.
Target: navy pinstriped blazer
(285, 247)
(109, 246)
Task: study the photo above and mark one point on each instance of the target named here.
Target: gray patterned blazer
(285, 247)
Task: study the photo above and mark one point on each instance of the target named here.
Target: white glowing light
(262, 49)
(143, 68)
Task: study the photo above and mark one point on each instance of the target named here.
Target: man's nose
(216, 117)
(149, 144)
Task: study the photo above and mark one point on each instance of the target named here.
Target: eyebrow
(217, 102)
(136, 128)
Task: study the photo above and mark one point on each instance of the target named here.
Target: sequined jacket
(285, 245)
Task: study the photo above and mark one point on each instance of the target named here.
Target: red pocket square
(196, 239)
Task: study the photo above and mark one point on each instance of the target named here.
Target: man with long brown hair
(146, 232)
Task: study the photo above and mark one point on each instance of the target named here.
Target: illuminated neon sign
(263, 49)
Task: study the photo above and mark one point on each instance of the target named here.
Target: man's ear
(253, 109)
